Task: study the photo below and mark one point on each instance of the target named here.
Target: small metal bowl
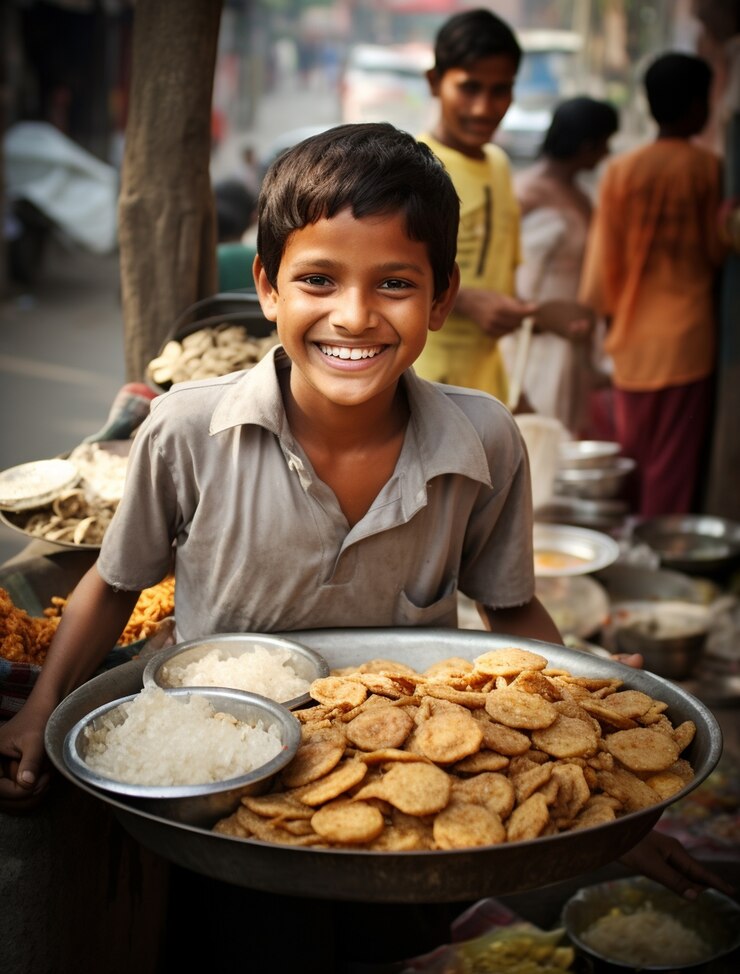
(587, 453)
(669, 635)
(199, 805)
(594, 483)
(714, 916)
(306, 663)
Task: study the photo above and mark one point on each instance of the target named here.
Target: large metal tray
(404, 877)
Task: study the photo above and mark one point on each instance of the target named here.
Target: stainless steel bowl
(669, 635)
(306, 663)
(713, 916)
(200, 805)
(697, 544)
(587, 453)
(594, 483)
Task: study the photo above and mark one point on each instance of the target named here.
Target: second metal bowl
(306, 663)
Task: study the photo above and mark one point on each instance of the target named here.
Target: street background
(61, 342)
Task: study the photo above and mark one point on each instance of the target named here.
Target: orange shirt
(651, 261)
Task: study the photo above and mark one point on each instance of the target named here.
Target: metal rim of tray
(435, 876)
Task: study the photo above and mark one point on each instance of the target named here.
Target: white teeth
(341, 351)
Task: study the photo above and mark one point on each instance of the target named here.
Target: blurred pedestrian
(556, 213)
(651, 266)
(236, 212)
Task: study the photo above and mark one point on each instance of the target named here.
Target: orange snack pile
(26, 639)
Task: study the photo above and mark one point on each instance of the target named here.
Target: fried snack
(643, 749)
(379, 727)
(348, 823)
(463, 824)
(521, 710)
(461, 757)
(208, 352)
(24, 638)
(449, 737)
(312, 761)
(153, 605)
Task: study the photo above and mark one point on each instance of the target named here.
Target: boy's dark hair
(371, 168)
(674, 83)
(471, 35)
(576, 123)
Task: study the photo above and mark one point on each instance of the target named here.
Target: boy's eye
(395, 284)
(470, 87)
(315, 280)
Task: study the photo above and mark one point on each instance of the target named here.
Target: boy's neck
(343, 426)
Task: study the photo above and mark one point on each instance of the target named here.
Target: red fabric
(665, 432)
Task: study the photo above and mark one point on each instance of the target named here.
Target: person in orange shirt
(651, 265)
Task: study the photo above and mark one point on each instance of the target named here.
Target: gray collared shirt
(261, 543)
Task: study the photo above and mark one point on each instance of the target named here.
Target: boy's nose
(353, 313)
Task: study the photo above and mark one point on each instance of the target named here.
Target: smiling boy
(329, 486)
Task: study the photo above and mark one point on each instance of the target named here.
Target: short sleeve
(137, 548)
(498, 564)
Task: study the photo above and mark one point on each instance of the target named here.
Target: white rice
(646, 936)
(166, 740)
(260, 670)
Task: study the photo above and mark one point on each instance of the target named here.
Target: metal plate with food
(439, 875)
(38, 482)
(76, 512)
(697, 544)
(562, 549)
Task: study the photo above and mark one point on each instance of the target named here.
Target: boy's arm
(530, 621)
(93, 620)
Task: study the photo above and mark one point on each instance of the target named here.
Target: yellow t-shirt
(487, 253)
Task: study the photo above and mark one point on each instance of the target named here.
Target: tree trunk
(167, 226)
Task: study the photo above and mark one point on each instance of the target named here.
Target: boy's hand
(664, 859)
(496, 314)
(569, 319)
(23, 780)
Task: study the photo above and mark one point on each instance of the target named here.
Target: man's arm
(93, 619)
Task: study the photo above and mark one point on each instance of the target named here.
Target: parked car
(387, 84)
(550, 71)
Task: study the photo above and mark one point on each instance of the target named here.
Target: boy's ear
(433, 79)
(445, 302)
(268, 296)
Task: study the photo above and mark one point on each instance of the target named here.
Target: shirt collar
(446, 439)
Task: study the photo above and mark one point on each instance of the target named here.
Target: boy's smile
(473, 100)
(353, 304)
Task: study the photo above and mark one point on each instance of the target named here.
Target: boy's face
(473, 100)
(353, 304)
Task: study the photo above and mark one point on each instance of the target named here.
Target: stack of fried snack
(503, 749)
(25, 638)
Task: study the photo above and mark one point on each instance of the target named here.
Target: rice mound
(265, 671)
(165, 740)
(647, 936)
